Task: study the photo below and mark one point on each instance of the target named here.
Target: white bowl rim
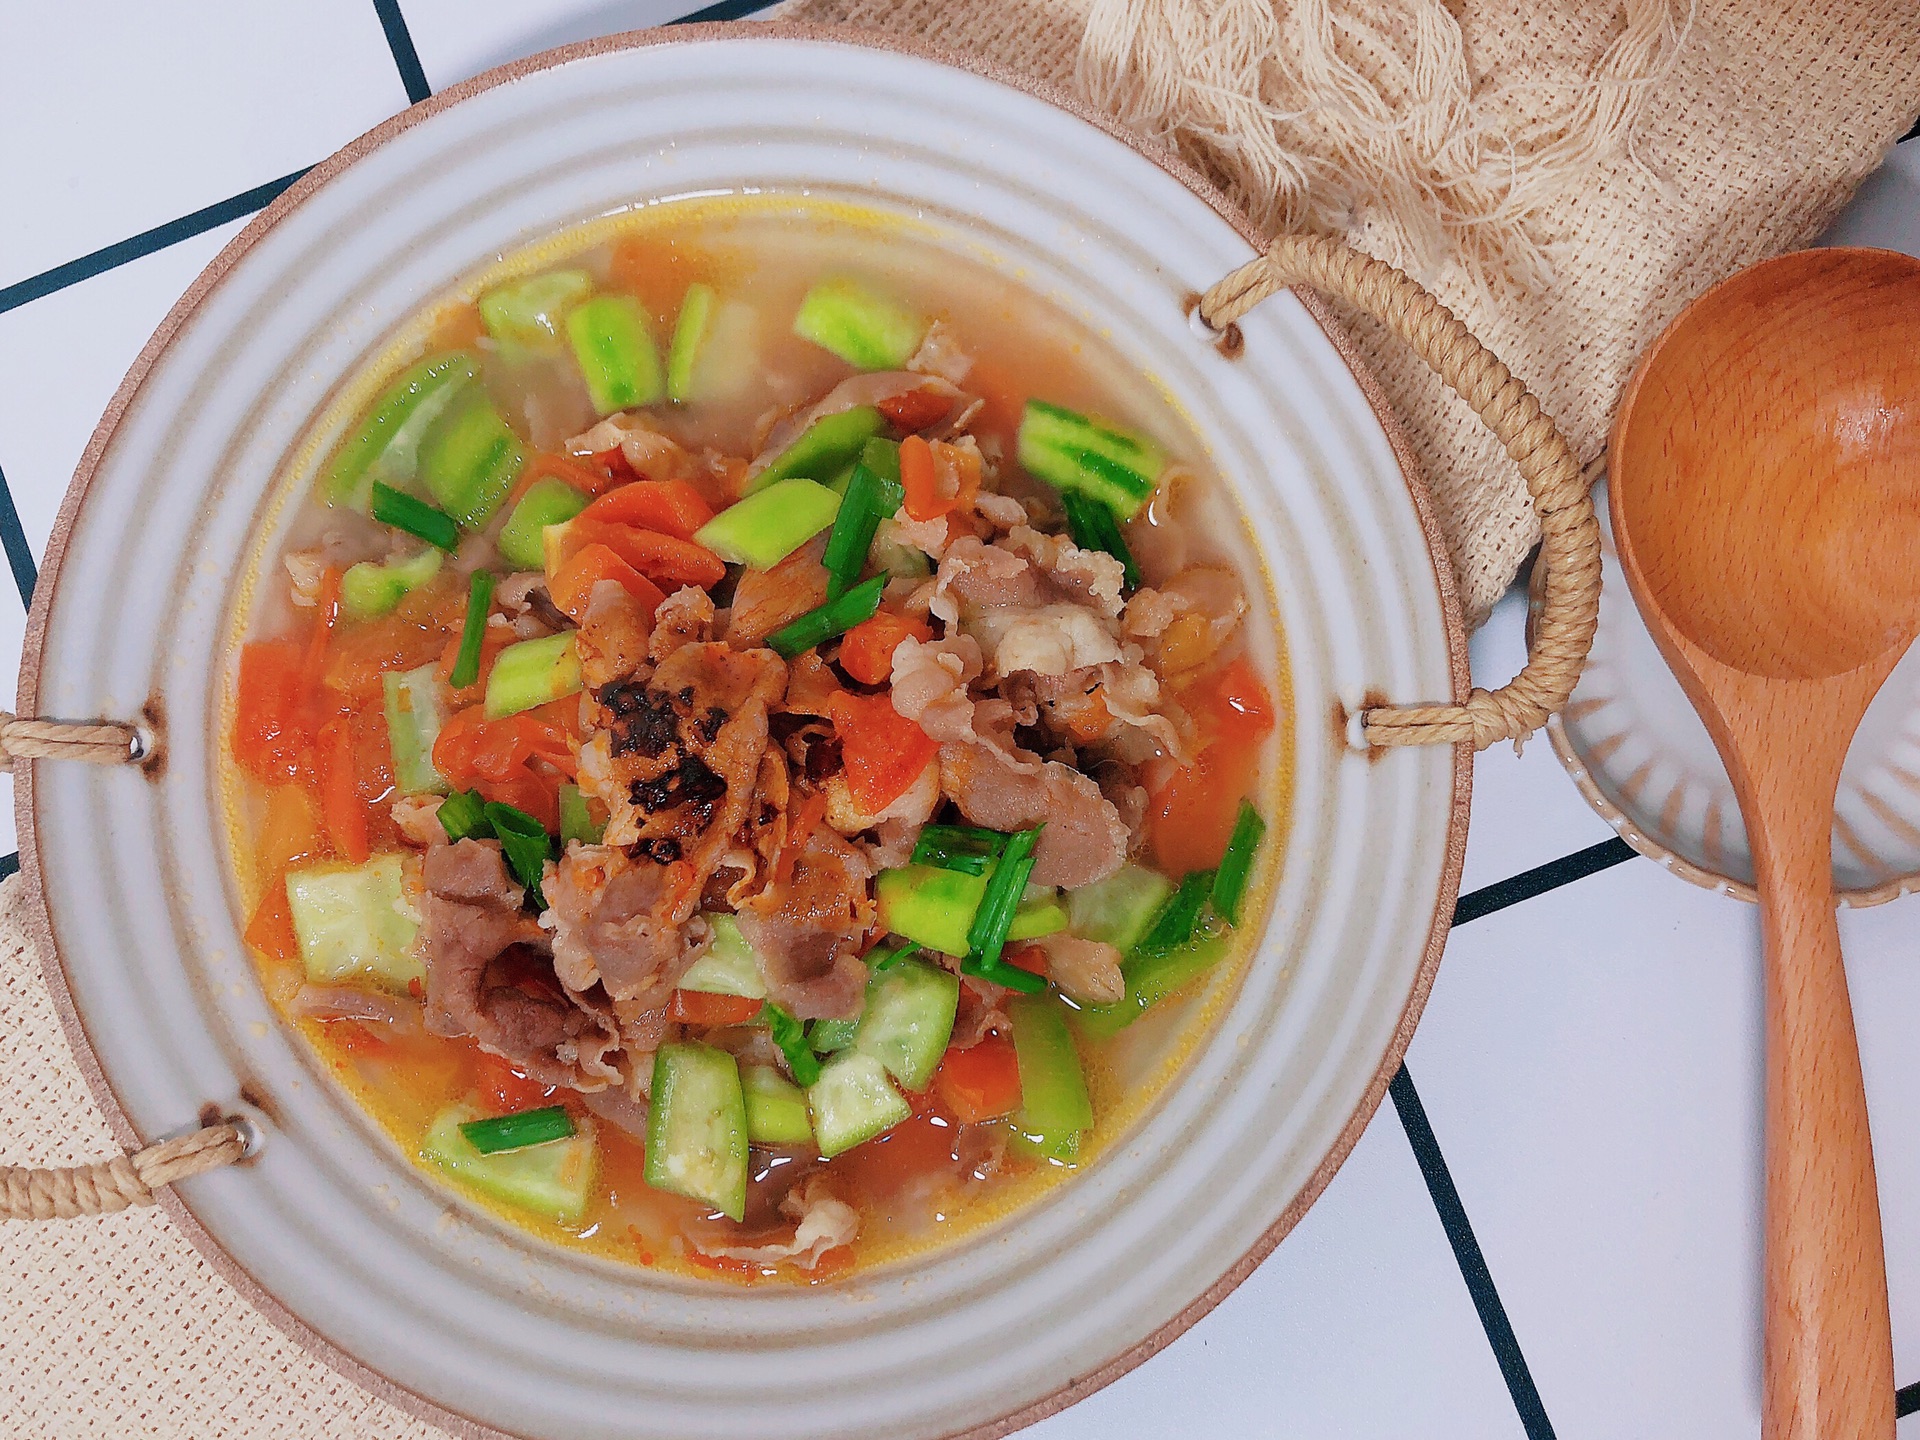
(33, 647)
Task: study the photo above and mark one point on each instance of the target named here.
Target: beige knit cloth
(1565, 174)
(1754, 130)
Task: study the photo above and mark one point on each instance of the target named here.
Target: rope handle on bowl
(1570, 535)
(99, 742)
(60, 1193)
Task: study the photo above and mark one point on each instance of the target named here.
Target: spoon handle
(1829, 1346)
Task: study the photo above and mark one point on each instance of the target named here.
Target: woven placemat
(1564, 174)
(112, 1325)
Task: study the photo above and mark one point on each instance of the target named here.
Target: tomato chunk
(1191, 814)
(981, 1082)
(272, 729)
(883, 751)
(915, 409)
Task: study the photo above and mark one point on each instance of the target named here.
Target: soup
(757, 743)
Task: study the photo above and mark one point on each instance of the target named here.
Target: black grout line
(1466, 1253)
(1540, 879)
(13, 539)
(145, 243)
(405, 58)
(9, 865)
(1906, 1399)
(725, 10)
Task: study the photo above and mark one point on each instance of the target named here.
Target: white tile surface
(460, 38)
(62, 357)
(1590, 1063)
(116, 118)
(1358, 1325)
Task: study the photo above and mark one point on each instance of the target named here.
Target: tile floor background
(1554, 1233)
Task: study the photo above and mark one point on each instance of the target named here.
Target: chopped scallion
(966, 848)
(869, 499)
(883, 956)
(466, 665)
(463, 815)
(836, 617)
(517, 1132)
(416, 517)
(1094, 527)
(988, 935)
(791, 1036)
(1179, 918)
(1012, 977)
(1236, 867)
(525, 843)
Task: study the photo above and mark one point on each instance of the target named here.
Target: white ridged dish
(332, 1231)
(1639, 753)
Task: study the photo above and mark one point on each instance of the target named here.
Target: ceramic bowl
(330, 1229)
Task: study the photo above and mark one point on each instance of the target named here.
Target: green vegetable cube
(352, 925)
(866, 329)
(413, 724)
(853, 1101)
(547, 502)
(551, 1180)
(769, 525)
(929, 906)
(613, 343)
(532, 673)
(469, 461)
(776, 1108)
(528, 313)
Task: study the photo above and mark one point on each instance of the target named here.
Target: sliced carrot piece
(924, 501)
(866, 651)
(667, 560)
(697, 1007)
(672, 507)
(572, 584)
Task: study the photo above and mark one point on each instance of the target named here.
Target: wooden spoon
(1765, 488)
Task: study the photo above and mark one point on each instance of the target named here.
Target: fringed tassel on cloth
(1330, 115)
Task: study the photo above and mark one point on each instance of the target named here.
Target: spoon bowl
(1764, 474)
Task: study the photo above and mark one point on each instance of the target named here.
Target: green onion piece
(1179, 918)
(525, 843)
(966, 848)
(1012, 977)
(463, 815)
(466, 666)
(517, 1132)
(988, 935)
(416, 517)
(1094, 527)
(791, 1036)
(1236, 866)
(885, 956)
(869, 499)
(836, 617)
